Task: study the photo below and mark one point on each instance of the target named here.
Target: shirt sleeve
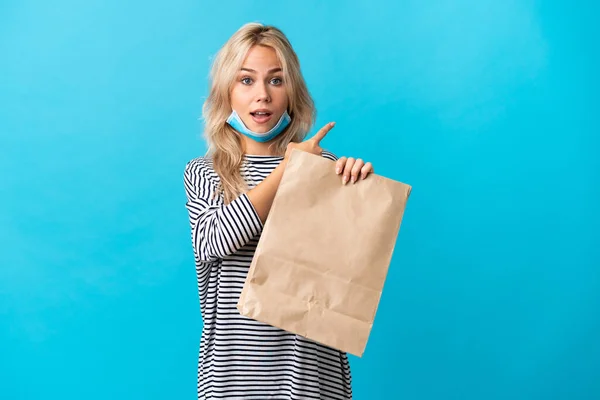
(217, 230)
(329, 155)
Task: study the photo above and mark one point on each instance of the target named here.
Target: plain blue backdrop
(489, 109)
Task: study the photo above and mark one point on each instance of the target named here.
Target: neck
(252, 147)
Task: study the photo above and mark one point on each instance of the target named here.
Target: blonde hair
(224, 143)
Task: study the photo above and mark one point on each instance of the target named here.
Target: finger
(356, 169)
(322, 132)
(347, 169)
(366, 170)
(339, 165)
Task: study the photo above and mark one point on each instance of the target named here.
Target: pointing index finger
(323, 132)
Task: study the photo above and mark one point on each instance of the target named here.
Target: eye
(276, 81)
(246, 81)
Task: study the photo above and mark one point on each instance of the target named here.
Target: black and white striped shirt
(241, 358)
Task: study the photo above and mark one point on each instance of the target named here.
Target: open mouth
(261, 117)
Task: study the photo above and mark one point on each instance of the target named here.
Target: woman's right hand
(263, 194)
(311, 145)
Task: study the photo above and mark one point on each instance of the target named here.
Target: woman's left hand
(352, 170)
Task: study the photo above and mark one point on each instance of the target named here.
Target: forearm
(263, 194)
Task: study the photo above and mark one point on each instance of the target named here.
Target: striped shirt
(241, 358)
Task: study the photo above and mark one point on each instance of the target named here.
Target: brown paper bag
(324, 253)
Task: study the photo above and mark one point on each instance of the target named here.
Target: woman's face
(258, 94)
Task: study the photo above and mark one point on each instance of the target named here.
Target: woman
(257, 111)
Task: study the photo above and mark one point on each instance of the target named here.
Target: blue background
(489, 109)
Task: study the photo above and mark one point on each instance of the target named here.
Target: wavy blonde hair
(225, 143)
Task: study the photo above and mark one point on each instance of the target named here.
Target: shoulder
(198, 164)
(329, 155)
(200, 179)
(200, 169)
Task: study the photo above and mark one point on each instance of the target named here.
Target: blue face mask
(236, 123)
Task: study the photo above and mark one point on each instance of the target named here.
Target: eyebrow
(272, 70)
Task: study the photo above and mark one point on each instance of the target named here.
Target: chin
(260, 128)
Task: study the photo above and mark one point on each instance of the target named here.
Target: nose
(262, 93)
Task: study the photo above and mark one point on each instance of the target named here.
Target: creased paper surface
(324, 253)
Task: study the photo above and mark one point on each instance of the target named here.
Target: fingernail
(353, 180)
(344, 180)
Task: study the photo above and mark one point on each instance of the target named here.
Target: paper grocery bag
(324, 253)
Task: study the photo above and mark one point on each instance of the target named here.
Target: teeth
(260, 113)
